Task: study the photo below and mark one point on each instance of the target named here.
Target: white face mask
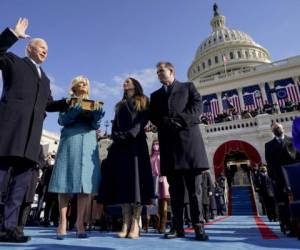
(51, 162)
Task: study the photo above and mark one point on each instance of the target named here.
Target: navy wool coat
(25, 98)
(127, 175)
(182, 149)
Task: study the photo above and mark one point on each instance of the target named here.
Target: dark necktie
(169, 88)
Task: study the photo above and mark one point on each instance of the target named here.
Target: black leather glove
(172, 123)
(175, 124)
(121, 136)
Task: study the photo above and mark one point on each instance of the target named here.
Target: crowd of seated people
(233, 114)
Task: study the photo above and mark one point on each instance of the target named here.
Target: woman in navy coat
(77, 166)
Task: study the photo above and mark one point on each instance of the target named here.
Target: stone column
(295, 79)
(241, 99)
(220, 102)
(263, 92)
(274, 96)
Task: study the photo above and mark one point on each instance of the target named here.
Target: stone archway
(234, 145)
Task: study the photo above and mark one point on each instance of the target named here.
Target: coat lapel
(173, 91)
(32, 66)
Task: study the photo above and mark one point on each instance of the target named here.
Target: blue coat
(77, 166)
(296, 133)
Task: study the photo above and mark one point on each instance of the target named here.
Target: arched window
(203, 65)
(216, 59)
(209, 62)
(239, 54)
(247, 54)
(231, 55)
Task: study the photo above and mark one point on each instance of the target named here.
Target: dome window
(216, 59)
(220, 38)
(198, 67)
(231, 55)
(239, 54)
(247, 54)
(209, 62)
(203, 65)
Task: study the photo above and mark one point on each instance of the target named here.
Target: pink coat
(162, 186)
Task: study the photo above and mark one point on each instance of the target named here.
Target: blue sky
(108, 40)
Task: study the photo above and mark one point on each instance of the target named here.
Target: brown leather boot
(126, 213)
(163, 215)
(135, 229)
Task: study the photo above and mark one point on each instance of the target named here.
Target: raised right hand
(20, 28)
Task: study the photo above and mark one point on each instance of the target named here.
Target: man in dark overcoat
(207, 187)
(25, 97)
(278, 152)
(175, 110)
(267, 193)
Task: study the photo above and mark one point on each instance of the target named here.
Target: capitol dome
(226, 50)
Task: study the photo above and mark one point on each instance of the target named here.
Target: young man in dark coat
(175, 110)
(25, 97)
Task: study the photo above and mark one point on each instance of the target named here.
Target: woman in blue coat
(77, 166)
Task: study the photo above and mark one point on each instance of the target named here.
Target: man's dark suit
(277, 154)
(182, 150)
(25, 98)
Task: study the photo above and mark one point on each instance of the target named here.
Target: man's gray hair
(32, 41)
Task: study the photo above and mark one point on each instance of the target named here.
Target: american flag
(231, 102)
(289, 92)
(252, 100)
(207, 111)
(211, 107)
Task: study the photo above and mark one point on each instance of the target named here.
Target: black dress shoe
(174, 234)
(200, 233)
(14, 236)
(291, 234)
(46, 223)
(17, 239)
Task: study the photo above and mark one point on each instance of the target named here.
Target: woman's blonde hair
(75, 82)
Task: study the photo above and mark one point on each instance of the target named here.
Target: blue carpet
(235, 232)
(241, 201)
